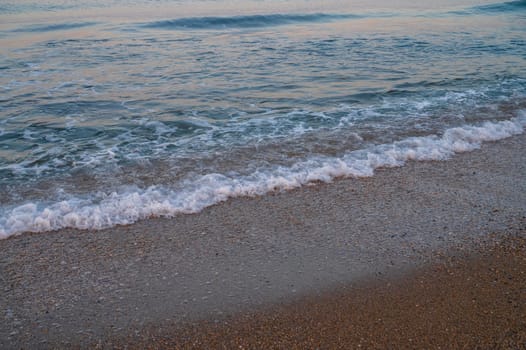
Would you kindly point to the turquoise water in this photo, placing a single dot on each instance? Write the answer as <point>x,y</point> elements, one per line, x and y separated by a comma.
<point>111,112</point>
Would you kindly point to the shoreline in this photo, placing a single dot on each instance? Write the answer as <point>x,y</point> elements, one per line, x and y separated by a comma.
<point>473,299</point>
<point>76,288</point>
<point>128,207</point>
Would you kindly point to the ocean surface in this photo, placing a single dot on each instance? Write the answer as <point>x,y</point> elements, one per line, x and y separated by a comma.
<point>116,111</point>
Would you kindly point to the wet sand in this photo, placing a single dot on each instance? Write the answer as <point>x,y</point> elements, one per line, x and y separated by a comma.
<point>465,301</point>
<point>311,252</point>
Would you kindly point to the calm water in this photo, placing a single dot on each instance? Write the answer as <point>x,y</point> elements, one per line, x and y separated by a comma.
<point>114,111</point>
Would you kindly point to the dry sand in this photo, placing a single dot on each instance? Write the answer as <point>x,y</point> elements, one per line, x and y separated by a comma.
<point>126,285</point>
<point>462,302</point>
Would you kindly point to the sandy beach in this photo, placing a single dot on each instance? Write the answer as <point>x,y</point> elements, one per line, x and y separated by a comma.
<point>428,255</point>
<point>470,301</point>
<point>300,174</point>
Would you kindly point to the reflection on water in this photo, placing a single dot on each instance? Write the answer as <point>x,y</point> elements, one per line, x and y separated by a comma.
<point>160,93</point>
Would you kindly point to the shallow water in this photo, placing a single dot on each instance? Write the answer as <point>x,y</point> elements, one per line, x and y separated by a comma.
<point>112,112</point>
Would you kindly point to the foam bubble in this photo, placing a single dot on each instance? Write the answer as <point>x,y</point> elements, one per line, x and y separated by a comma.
<point>118,208</point>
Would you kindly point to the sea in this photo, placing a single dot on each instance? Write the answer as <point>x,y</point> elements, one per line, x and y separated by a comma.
<point>114,111</point>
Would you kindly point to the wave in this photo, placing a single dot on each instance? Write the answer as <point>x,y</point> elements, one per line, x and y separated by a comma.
<point>253,21</point>
<point>52,27</point>
<point>102,210</point>
<point>509,6</point>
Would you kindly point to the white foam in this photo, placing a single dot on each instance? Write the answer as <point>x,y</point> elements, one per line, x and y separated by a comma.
<point>106,210</point>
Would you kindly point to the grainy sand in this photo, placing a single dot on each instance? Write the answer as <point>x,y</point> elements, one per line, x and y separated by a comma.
<point>462,302</point>
<point>317,250</point>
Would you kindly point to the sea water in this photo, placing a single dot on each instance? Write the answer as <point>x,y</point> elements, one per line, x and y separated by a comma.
<point>117,111</point>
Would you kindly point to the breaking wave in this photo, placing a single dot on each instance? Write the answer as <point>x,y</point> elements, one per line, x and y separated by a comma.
<point>103,210</point>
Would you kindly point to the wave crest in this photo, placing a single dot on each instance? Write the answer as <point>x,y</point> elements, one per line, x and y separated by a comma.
<point>254,21</point>
<point>519,5</point>
<point>106,210</point>
<point>38,28</point>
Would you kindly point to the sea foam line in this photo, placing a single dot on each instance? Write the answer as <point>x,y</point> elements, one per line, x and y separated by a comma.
<point>107,210</point>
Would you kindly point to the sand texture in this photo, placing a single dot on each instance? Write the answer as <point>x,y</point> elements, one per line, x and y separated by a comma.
<point>462,302</point>
<point>79,288</point>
